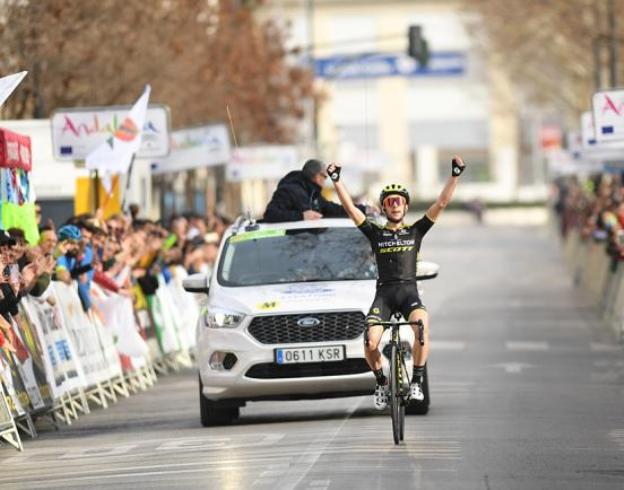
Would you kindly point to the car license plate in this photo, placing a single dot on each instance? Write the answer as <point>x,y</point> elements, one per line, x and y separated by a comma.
<point>296,355</point>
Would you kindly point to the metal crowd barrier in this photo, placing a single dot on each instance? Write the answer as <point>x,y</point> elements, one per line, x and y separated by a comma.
<point>67,362</point>
<point>599,276</point>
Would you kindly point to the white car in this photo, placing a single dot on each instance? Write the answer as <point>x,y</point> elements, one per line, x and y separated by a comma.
<point>285,316</point>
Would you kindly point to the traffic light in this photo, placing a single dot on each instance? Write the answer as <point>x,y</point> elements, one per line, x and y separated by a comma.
<point>417,47</point>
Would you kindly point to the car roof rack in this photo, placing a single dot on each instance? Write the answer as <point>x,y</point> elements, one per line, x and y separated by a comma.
<point>244,223</point>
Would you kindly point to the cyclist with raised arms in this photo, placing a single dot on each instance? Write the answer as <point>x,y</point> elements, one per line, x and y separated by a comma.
<point>396,247</point>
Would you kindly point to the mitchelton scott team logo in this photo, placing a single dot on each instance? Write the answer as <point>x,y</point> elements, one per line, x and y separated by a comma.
<point>308,321</point>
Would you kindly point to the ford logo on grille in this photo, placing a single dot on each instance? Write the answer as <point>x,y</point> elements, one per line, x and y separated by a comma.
<point>308,321</point>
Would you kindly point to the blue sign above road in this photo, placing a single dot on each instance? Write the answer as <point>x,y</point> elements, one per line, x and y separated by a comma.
<point>376,65</point>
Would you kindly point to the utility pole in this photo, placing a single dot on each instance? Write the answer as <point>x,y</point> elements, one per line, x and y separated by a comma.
<point>310,55</point>
<point>597,48</point>
<point>613,44</point>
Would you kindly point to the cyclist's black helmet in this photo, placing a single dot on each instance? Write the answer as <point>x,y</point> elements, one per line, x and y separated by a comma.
<point>391,189</point>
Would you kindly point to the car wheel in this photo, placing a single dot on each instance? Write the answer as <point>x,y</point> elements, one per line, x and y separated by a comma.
<point>215,413</point>
<point>420,407</point>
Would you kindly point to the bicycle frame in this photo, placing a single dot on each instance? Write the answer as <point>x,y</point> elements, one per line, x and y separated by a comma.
<point>399,395</point>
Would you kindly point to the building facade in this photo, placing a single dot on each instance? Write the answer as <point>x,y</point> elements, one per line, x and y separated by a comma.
<point>387,119</point>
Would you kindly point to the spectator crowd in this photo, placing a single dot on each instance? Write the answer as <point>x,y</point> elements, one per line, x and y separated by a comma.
<point>123,254</point>
<point>595,207</point>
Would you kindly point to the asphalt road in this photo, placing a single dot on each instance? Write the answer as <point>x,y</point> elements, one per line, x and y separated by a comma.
<point>527,393</point>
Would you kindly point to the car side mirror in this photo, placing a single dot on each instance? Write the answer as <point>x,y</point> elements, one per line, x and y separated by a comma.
<point>196,283</point>
<point>426,270</point>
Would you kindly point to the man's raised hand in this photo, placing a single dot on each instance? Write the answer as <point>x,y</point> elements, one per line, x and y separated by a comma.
<point>310,214</point>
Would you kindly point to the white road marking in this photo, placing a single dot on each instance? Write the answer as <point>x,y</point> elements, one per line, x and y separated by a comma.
<point>164,444</point>
<point>99,453</point>
<point>311,455</point>
<point>216,443</point>
<point>618,437</point>
<point>319,484</point>
<point>599,347</point>
<point>513,367</point>
<point>524,346</point>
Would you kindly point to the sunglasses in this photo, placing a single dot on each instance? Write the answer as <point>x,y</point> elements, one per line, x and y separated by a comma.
<point>392,201</point>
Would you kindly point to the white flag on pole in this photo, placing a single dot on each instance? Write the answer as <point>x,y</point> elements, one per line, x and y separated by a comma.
<point>9,83</point>
<point>115,154</point>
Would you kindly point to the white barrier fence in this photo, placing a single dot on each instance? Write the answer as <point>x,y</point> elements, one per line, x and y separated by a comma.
<point>61,358</point>
<point>599,275</point>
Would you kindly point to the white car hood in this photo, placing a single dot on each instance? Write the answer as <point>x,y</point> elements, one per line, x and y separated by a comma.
<point>296,297</point>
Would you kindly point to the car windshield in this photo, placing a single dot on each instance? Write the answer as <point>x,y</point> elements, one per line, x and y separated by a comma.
<point>301,255</point>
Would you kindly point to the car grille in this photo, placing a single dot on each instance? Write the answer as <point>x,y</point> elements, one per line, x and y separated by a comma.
<point>271,370</point>
<point>283,329</point>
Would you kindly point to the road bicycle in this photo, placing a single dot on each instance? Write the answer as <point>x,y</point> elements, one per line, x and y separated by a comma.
<point>399,379</point>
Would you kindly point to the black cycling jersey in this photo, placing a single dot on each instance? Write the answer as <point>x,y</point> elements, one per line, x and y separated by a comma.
<point>396,251</point>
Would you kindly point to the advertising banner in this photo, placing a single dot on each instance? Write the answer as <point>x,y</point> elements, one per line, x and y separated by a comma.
<point>186,304</point>
<point>119,319</point>
<point>107,345</point>
<point>83,334</point>
<point>191,148</point>
<point>17,396</point>
<point>29,363</point>
<point>6,419</point>
<point>15,150</point>
<point>76,132</point>
<point>608,109</point>
<point>167,319</point>
<point>261,162</point>
<point>62,367</point>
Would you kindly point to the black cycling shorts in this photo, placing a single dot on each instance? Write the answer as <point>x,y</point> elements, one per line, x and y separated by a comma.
<point>391,297</point>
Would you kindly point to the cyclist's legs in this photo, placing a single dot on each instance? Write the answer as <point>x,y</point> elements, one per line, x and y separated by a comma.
<point>379,312</point>
<point>371,349</point>
<point>413,309</point>
<point>420,352</point>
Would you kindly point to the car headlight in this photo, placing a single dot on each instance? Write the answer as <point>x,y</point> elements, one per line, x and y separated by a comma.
<point>216,318</point>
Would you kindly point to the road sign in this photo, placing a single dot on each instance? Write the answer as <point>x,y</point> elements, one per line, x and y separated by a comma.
<point>75,132</point>
<point>608,108</point>
<point>592,148</point>
<point>377,65</point>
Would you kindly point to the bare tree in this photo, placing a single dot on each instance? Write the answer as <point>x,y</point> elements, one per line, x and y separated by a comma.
<point>546,47</point>
<point>198,55</point>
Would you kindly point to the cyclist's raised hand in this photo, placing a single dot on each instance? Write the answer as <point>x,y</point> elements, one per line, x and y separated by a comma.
<point>457,166</point>
<point>333,171</point>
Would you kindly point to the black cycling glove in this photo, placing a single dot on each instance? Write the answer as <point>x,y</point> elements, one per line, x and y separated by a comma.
<point>457,169</point>
<point>335,175</point>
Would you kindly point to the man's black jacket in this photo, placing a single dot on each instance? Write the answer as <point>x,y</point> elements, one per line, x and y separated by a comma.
<point>295,194</point>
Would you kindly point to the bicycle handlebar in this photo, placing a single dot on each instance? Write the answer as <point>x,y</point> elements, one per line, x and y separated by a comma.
<point>390,324</point>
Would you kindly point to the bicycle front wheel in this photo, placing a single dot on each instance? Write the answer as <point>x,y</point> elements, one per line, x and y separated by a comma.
<point>398,415</point>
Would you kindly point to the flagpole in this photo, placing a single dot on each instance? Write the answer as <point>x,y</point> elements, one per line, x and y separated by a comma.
<point>125,194</point>
<point>96,180</point>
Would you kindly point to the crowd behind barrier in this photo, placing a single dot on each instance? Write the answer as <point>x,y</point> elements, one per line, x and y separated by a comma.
<point>94,311</point>
<point>590,220</point>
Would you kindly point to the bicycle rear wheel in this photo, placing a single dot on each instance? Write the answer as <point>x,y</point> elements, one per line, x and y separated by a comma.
<point>397,410</point>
